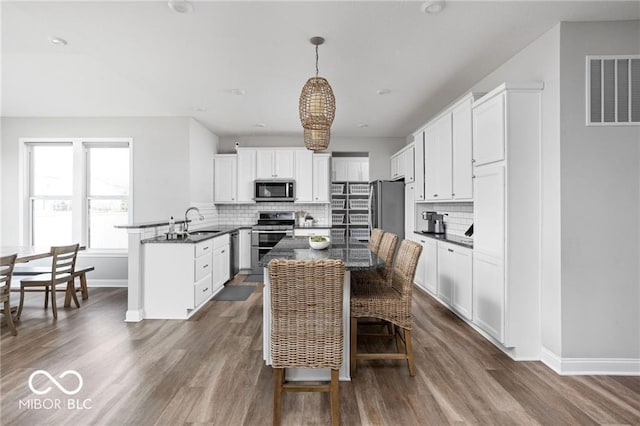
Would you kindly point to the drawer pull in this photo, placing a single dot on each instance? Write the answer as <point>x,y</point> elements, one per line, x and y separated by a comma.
<point>222,251</point>
<point>450,250</point>
<point>204,290</point>
<point>205,248</point>
<point>422,241</point>
<point>205,266</point>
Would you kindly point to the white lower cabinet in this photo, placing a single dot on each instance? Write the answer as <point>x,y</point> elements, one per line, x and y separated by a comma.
<point>245,249</point>
<point>221,260</point>
<point>420,269</point>
<point>489,303</point>
<point>455,278</point>
<point>181,277</point>
<point>431,265</point>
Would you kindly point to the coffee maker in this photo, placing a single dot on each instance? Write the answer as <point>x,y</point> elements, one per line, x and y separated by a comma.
<point>435,222</point>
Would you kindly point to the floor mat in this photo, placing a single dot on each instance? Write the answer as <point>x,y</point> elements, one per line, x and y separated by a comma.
<point>254,279</point>
<point>235,293</point>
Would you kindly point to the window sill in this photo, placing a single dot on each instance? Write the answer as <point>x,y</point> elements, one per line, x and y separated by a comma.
<point>103,253</point>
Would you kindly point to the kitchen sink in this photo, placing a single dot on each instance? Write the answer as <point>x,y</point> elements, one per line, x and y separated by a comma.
<point>204,232</point>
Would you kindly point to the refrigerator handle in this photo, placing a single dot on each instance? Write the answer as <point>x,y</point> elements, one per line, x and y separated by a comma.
<point>370,209</point>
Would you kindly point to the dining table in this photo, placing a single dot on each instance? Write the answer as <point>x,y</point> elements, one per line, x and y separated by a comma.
<point>25,253</point>
<point>356,257</point>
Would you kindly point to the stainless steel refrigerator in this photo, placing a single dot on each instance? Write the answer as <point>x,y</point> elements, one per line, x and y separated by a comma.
<point>386,211</point>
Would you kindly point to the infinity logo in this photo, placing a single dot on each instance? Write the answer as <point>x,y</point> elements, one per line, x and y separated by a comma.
<point>55,382</point>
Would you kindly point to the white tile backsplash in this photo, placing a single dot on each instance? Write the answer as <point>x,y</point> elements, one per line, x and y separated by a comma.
<point>247,214</point>
<point>459,216</point>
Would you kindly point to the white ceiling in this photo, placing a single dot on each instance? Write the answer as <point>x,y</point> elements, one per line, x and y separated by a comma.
<point>143,59</point>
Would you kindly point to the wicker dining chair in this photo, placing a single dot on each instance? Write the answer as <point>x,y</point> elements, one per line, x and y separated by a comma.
<point>6,269</point>
<point>62,272</point>
<point>386,252</point>
<point>388,303</point>
<point>306,324</point>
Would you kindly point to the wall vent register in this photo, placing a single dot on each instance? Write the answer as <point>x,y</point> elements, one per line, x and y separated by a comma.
<point>613,90</point>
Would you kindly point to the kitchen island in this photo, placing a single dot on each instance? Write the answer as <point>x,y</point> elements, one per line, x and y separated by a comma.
<point>356,257</point>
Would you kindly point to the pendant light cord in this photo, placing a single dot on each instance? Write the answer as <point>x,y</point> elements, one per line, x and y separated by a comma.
<point>316,60</point>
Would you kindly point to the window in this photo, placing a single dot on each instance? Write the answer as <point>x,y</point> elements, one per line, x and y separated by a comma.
<point>77,191</point>
<point>107,195</point>
<point>51,191</point>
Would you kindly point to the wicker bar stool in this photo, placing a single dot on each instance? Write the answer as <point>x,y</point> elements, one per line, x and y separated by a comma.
<point>375,239</point>
<point>306,324</point>
<point>386,252</point>
<point>6,269</point>
<point>388,303</point>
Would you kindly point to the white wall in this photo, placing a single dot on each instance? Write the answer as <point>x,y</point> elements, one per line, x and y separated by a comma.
<point>540,61</point>
<point>203,145</point>
<point>379,149</point>
<point>171,167</point>
<point>600,206</point>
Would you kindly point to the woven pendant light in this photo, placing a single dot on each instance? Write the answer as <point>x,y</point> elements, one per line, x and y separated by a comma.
<point>317,108</point>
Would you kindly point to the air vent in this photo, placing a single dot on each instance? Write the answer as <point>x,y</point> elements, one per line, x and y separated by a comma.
<point>613,90</point>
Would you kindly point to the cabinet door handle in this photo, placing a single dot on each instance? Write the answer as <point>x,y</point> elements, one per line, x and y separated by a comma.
<point>450,250</point>
<point>206,248</point>
<point>473,161</point>
<point>435,195</point>
<point>204,290</point>
<point>205,266</point>
<point>422,241</point>
<point>222,251</point>
<point>473,177</point>
<point>453,194</point>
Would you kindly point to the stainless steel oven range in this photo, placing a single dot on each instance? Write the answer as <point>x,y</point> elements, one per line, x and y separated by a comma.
<point>271,228</point>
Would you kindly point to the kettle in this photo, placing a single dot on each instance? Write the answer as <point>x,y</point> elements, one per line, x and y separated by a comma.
<point>439,226</point>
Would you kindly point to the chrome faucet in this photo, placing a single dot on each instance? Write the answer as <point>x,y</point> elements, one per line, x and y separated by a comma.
<point>186,220</point>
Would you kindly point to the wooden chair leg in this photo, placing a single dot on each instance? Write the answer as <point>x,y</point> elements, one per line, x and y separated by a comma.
<point>409,349</point>
<point>67,294</point>
<point>21,303</point>
<point>72,291</point>
<point>9,318</point>
<point>354,345</point>
<point>396,332</point>
<point>335,398</point>
<point>54,308</point>
<point>46,297</point>
<point>83,286</point>
<point>278,375</point>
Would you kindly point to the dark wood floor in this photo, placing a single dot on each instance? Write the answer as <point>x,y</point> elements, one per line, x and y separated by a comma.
<point>209,370</point>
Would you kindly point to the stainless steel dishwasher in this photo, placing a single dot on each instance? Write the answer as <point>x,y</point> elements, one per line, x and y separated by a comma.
<point>234,258</point>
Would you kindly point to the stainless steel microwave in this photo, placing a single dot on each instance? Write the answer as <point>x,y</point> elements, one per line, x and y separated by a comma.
<point>274,190</point>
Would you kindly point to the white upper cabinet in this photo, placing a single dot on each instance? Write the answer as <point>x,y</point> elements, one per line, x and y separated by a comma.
<point>488,131</point>
<point>418,151</point>
<point>304,176</point>
<point>321,182</point>
<point>246,175</point>
<point>462,151</point>
<point>275,164</point>
<point>402,164</point>
<point>224,178</point>
<point>438,159</point>
<point>350,169</point>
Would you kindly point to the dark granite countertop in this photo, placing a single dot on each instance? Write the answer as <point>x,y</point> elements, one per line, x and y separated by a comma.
<point>208,233</point>
<point>448,238</point>
<point>355,254</point>
<point>149,224</point>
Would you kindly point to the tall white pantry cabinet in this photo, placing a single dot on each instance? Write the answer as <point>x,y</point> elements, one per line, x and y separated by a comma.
<point>506,252</point>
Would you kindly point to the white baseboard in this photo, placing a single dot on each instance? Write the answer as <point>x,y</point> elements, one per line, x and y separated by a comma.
<point>590,366</point>
<point>106,283</point>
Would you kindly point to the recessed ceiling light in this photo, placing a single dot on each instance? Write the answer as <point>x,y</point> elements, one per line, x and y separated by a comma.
<point>383,91</point>
<point>237,92</point>
<point>260,125</point>
<point>433,6</point>
<point>363,125</point>
<point>180,6</point>
<point>57,41</point>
